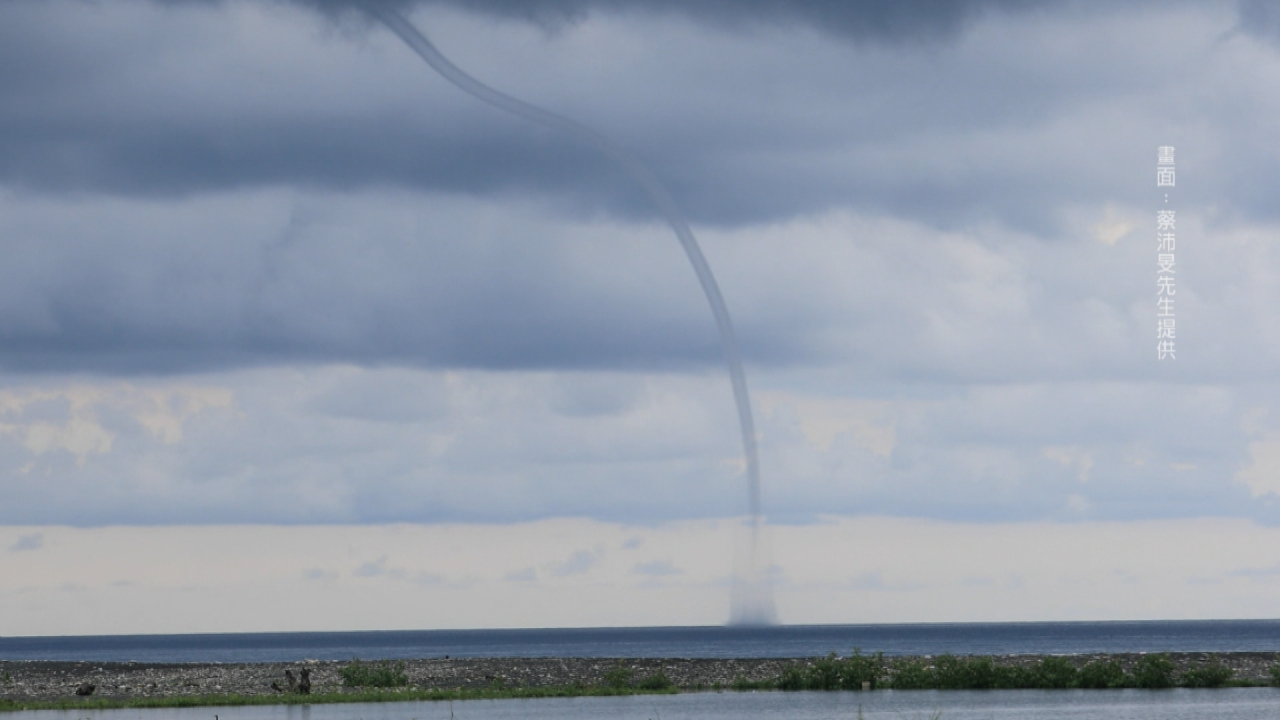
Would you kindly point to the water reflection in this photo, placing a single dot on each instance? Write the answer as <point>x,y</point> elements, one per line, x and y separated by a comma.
<point>1178,704</point>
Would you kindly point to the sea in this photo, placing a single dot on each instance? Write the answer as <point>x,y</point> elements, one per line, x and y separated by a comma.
<point>782,641</point>
<point>708,642</point>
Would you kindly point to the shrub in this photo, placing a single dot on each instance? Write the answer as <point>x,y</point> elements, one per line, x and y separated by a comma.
<point>619,677</point>
<point>1102,674</point>
<point>1275,674</point>
<point>1013,676</point>
<point>834,673</point>
<point>1215,674</point>
<point>824,674</point>
<point>912,675</point>
<point>974,673</point>
<point>859,668</point>
<point>1153,671</point>
<point>1054,672</point>
<point>385,674</point>
<point>792,679</point>
<point>961,673</point>
<point>656,681</point>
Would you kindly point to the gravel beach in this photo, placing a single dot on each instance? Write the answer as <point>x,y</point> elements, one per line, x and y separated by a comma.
<point>48,680</point>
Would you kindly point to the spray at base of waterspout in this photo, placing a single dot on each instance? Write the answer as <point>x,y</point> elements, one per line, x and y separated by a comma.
<point>751,597</point>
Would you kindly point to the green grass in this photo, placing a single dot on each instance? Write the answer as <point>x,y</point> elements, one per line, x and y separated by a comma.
<point>742,684</point>
<point>623,678</point>
<point>378,675</point>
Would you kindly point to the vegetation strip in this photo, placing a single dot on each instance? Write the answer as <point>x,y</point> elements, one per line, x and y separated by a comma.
<point>35,685</point>
<point>978,672</point>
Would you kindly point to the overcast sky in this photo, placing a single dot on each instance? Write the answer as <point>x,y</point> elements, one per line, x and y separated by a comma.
<point>261,266</point>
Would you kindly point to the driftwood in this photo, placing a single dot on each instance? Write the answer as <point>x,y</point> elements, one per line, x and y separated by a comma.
<point>298,686</point>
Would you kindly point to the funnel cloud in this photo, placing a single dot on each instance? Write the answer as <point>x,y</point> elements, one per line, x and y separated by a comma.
<point>751,601</point>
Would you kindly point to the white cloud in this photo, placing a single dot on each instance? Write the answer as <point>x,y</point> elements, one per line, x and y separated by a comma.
<point>34,541</point>
<point>1114,225</point>
<point>376,568</point>
<point>343,444</point>
<point>258,578</point>
<point>523,575</point>
<point>579,563</point>
<point>1076,457</point>
<point>78,432</point>
<point>1262,474</point>
<point>656,568</point>
<point>823,419</point>
<point>161,410</point>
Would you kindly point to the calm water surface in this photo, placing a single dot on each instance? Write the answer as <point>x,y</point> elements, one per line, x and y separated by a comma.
<point>1181,704</point>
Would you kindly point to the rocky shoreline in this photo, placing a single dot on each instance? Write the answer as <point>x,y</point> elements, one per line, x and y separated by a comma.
<point>54,680</point>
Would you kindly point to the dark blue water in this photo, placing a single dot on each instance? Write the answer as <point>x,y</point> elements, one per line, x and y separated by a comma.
<point>689,642</point>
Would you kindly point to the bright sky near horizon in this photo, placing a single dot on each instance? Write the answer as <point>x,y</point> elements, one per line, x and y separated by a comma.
<point>286,319</point>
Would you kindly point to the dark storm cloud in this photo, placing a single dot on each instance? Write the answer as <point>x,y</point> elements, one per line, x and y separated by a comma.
<point>78,117</point>
<point>138,287</point>
<point>881,131</point>
<point>1009,115</point>
<point>176,160</point>
<point>1260,17</point>
<point>865,19</point>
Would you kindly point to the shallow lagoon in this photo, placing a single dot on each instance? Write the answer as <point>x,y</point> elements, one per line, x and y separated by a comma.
<point>1177,704</point>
